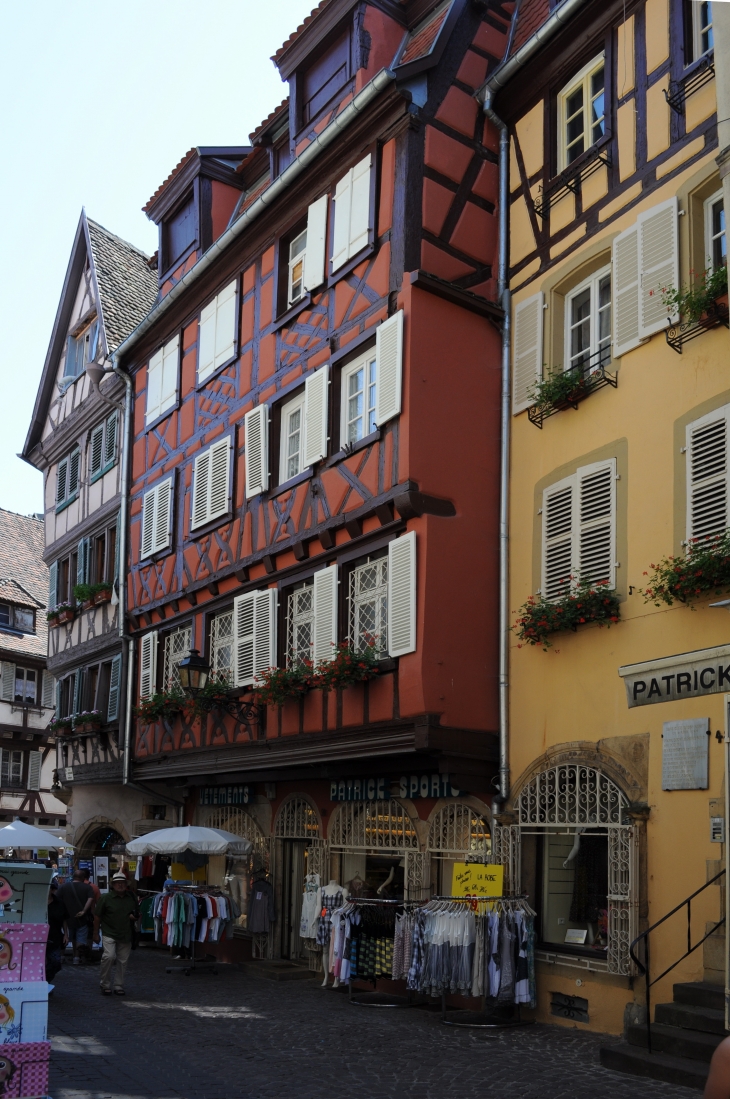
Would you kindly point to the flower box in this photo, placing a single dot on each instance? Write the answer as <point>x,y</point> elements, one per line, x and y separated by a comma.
<point>60,727</point>
<point>65,616</point>
<point>87,727</point>
<point>102,596</point>
<point>87,604</point>
<point>539,618</point>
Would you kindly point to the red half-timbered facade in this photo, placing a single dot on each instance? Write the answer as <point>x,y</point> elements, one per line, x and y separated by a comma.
<point>315,454</point>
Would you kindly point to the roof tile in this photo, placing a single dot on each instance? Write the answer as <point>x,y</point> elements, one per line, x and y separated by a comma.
<point>24,574</point>
<point>127,286</point>
<point>302,26</point>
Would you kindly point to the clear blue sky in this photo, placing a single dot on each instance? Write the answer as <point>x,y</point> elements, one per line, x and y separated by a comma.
<point>100,101</point>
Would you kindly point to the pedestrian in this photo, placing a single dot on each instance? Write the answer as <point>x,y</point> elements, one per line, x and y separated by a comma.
<point>93,885</point>
<point>114,918</point>
<point>57,933</point>
<point>77,897</point>
<point>718,1082</point>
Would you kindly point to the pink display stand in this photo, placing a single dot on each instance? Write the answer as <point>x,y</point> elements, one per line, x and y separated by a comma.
<point>24,1070</point>
<point>22,952</point>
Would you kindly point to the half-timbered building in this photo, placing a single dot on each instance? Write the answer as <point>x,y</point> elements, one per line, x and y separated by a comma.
<point>74,438</point>
<point>316,452</point>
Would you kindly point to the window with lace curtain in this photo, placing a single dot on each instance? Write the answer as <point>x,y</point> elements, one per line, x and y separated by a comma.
<point>300,624</point>
<point>221,646</point>
<point>177,646</point>
<point>369,604</point>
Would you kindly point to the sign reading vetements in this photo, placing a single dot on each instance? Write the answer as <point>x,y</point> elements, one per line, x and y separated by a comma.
<point>225,795</point>
<point>687,675</point>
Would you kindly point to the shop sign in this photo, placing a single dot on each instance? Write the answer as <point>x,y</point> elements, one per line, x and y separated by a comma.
<point>687,675</point>
<point>377,789</point>
<point>474,879</point>
<point>225,795</point>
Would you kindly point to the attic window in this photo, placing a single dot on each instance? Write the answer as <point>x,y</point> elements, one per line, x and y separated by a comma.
<point>325,78</point>
<point>178,233</point>
<point>80,349</point>
<point>17,618</point>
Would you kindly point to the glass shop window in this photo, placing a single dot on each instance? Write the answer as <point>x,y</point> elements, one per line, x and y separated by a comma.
<point>574,897</point>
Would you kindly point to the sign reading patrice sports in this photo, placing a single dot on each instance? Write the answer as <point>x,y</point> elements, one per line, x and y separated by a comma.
<point>378,789</point>
<point>687,675</point>
<point>225,795</point>
<point>474,879</point>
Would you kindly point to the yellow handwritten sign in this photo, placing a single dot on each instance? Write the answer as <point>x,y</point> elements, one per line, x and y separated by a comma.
<point>472,879</point>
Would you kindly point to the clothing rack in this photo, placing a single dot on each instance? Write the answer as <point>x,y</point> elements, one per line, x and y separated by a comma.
<point>194,963</point>
<point>375,998</point>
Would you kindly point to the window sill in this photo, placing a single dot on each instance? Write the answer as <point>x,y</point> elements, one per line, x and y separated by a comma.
<point>348,451</point>
<point>211,525</point>
<point>292,312</point>
<point>351,264</point>
<point>163,416</point>
<point>287,486</point>
<point>66,503</point>
<point>105,469</point>
<point>157,556</point>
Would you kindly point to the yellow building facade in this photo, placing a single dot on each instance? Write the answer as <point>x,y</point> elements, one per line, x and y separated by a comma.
<point>616,771</point>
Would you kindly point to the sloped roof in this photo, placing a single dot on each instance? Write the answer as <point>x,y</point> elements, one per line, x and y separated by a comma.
<point>275,114</point>
<point>530,16</point>
<point>302,26</point>
<point>127,286</point>
<point>24,574</point>
<point>421,39</point>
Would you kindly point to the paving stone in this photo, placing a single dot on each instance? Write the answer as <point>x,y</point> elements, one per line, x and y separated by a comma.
<point>233,1035</point>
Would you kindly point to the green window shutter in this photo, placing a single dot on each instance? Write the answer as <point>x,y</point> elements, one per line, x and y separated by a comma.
<point>116,546</point>
<point>61,481</point>
<point>112,712</point>
<point>78,689</point>
<point>7,686</point>
<point>74,463</point>
<point>35,761</point>
<point>53,586</point>
<point>96,450</point>
<point>110,441</point>
<point>49,691</point>
<point>82,562</point>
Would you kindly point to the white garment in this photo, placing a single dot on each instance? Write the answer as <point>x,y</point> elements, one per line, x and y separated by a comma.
<point>311,906</point>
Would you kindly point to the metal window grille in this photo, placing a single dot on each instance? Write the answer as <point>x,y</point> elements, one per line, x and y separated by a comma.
<point>300,624</point>
<point>241,823</point>
<point>372,825</point>
<point>571,794</point>
<point>177,645</point>
<point>459,830</point>
<point>297,820</point>
<point>221,646</point>
<point>369,605</point>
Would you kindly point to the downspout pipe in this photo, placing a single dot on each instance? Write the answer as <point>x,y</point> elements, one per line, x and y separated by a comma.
<point>127,642</point>
<point>505,424</point>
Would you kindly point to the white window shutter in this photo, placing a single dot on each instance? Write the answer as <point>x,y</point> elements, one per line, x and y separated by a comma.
<point>527,369</point>
<point>558,537</point>
<point>254,634</point>
<point>206,341</point>
<point>265,631</point>
<point>658,264</point>
<point>314,256</point>
<point>325,613</point>
<point>148,664</point>
<point>256,432</point>
<point>389,368</point>
<point>625,291</point>
<point>220,463</point>
<point>360,206</point>
<point>225,325</point>
<point>154,387</point>
<point>596,526</point>
<point>110,440</point>
<point>35,762</point>
<point>201,488</point>
<point>402,595</point>
<point>53,586</point>
<point>708,482</point>
<point>48,697</point>
<point>147,543</point>
<point>316,394</point>
<point>96,450</point>
<point>8,681</point>
<point>163,516</point>
<point>115,678</point>
<point>341,231</point>
<point>170,356</point>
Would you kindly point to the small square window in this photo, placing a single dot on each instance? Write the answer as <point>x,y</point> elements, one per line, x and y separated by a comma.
<point>23,619</point>
<point>25,685</point>
<point>358,397</point>
<point>5,615</point>
<point>369,604</point>
<point>292,438</point>
<point>581,113</point>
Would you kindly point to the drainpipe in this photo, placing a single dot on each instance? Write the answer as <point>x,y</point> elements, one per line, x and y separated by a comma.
<point>504,298</point>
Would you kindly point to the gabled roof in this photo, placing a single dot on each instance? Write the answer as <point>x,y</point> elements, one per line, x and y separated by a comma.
<point>126,289</point>
<point>24,579</point>
<point>13,592</point>
<point>216,161</point>
<point>269,122</point>
<point>297,33</point>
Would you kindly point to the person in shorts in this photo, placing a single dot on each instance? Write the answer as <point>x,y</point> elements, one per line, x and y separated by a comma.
<point>77,897</point>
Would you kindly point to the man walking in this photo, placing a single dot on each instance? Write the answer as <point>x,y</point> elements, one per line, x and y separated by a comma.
<point>77,897</point>
<point>114,917</point>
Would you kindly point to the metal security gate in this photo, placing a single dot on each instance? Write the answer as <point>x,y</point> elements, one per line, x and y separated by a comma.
<point>377,828</point>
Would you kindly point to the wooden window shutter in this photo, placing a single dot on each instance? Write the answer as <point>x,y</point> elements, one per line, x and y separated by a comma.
<point>8,681</point>
<point>148,664</point>
<point>154,387</point>
<point>96,450</point>
<point>389,368</point>
<point>557,538</point>
<point>265,631</point>
<point>206,341</point>
<point>341,231</point>
<point>360,206</point>
<point>61,481</point>
<point>314,257</point>
<point>596,523</point>
<point>708,482</point>
<point>220,463</point>
<point>625,291</point>
<point>82,562</point>
<point>74,463</point>
<point>527,368</point>
<point>256,432</point>
<point>325,613</point>
<point>168,391</point>
<point>53,586</point>
<point>254,634</point>
<point>148,523</point>
<point>316,394</point>
<point>162,516</point>
<point>658,264</point>
<point>225,325</point>
<point>48,697</point>
<point>35,762</point>
<point>110,440</point>
<point>402,595</point>
<point>201,488</point>
<point>115,678</point>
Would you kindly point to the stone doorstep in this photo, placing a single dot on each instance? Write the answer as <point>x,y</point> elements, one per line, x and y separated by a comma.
<point>277,970</point>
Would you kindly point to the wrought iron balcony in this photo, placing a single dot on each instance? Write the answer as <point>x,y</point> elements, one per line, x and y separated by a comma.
<point>589,376</point>
<point>681,90</point>
<point>569,181</point>
<point>679,334</point>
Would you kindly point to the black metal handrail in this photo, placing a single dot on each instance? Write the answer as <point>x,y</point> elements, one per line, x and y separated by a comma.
<point>644,969</point>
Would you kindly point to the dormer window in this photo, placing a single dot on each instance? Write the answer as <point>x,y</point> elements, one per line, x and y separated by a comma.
<point>80,349</point>
<point>21,619</point>
<point>178,233</point>
<point>325,78</point>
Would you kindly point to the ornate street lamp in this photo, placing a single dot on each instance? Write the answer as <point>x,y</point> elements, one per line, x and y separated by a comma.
<point>194,672</point>
<point>194,676</point>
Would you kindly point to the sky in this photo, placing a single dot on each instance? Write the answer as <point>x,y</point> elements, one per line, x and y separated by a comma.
<point>100,101</point>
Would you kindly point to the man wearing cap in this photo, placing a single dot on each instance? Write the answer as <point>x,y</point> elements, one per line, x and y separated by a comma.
<point>114,917</point>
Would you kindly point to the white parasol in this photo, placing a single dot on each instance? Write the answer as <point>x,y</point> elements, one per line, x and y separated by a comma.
<point>28,837</point>
<point>201,841</point>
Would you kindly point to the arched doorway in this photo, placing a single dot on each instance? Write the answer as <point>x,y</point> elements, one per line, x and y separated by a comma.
<point>232,872</point>
<point>103,840</point>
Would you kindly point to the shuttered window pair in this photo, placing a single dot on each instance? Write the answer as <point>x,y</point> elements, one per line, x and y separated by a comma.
<point>708,475</point>
<point>211,483</point>
<point>67,482</point>
<point>352,213</point>
<point>645,260</point>
<point>103,447</point>
<point>162,374</point>
<point>217,333</point>
<point>156,519</point>
<point>579,530</point>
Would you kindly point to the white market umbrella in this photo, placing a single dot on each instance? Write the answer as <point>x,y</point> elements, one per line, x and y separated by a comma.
<point>27,836</point>
<point>201,841</point>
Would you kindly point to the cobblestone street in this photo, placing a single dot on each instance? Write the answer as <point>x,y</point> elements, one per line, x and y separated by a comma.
<point>231,1035</point>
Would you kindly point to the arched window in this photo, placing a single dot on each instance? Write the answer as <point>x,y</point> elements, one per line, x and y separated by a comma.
<point>240,823</point>
<point>457,829</point>
<point>372,825</point>
<point>296,820</point>
<point>572,793</point>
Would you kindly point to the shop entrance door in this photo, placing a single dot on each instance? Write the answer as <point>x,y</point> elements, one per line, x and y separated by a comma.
<point>294,869</point>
